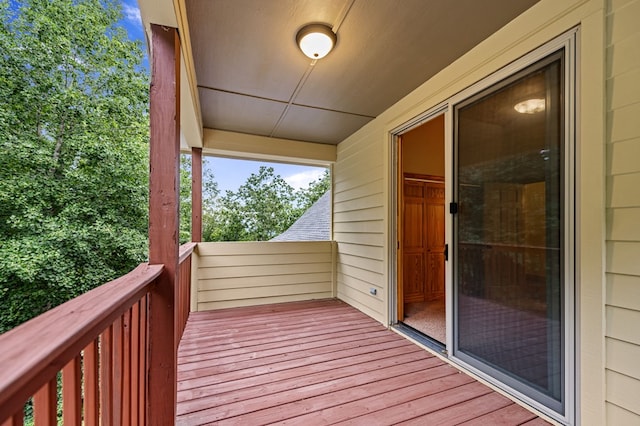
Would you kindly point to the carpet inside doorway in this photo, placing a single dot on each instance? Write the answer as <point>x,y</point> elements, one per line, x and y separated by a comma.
<point>427,317</point>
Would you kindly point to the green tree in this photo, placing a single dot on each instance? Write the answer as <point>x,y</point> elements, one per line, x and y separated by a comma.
<point>306,197</point>
<point>73,152</point>
<point>263,207</point>
<point>210,194</point>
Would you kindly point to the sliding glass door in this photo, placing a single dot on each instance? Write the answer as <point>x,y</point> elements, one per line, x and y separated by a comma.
<point>509,231</point>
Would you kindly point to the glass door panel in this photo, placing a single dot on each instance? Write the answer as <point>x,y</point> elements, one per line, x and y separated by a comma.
<point>509,231</point>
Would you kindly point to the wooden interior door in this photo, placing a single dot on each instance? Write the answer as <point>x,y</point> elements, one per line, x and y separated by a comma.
<point>414,248</point>
<point>423,240</point>
<point>435,240</point>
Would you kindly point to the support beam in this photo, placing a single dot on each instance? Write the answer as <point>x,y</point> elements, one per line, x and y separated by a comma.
<point>164,191</point>
<point>196,195</point>
<point>254,147</point>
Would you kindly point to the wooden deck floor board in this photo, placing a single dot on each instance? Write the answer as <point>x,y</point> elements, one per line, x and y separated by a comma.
<point>331,407</point>
<point>395,407</point>
<point>321,362</point>
<point>301,328</point>
<point>464,411</point>
<point>253,360</point>
<point>299,401</point>
<point>274,321</point>
<point>511,414</point>
<point>282,336</point>
<point>269,350</point>
<point>208,375</point>
<point>390,366</point>
<point>240,379</point>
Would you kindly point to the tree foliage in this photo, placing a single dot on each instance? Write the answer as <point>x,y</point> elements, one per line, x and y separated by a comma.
<point>316,189</point>
<point>210,194</point>
<point>73,152</point>
<point>262,208</point>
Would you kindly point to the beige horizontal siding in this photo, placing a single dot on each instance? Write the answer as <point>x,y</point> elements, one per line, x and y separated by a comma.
<point>359,225</point>
<point>361,262</point>
<point>623,156</point>
<point>368,252</point>
<point>619,416</point>
<point>361,215</point>
<point>233,274</point>
<point>623,257</point>
<point>623,213</point>
<point>622,324</point>
<point>623,357</point>
<point>623,291</point>
<point>356,191</point>
<point>366,202</point>
<point>623,391</point>
<point>364,226</point>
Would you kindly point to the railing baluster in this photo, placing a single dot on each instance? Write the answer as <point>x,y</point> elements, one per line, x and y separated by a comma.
<point>183,298</point>
<point>106,376</point>
<point>135,363</point>
<point>72,392</point>
<point>45,404</point>
<point>117,359</point>
<point>142,366</point>
<point>125,390</point>
<point>91,385</point>
<point>16,420</point>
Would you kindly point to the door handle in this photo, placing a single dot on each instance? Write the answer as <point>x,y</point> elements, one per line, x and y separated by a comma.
<point>446,252</point>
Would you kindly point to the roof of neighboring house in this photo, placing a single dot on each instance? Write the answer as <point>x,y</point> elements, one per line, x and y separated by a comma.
<point>313,225</point>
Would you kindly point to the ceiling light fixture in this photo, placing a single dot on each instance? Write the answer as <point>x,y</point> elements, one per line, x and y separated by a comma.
<point>316,40</point>
<point>530,106</point>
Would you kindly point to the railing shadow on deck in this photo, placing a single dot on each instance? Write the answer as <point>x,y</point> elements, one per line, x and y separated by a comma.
<point>99,344</point>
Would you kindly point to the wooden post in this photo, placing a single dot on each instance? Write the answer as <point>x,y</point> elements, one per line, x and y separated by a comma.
<point>164,182</point>
<point>196,195</point>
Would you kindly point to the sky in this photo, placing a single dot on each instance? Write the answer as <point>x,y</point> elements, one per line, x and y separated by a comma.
<point>229,173</point>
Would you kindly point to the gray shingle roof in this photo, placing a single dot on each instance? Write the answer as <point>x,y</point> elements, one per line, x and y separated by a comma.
<point>313,225</point>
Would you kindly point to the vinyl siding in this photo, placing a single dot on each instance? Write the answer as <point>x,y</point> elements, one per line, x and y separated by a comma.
<point>623,212</point>
<point>359,227</point>
<point>254,273</point>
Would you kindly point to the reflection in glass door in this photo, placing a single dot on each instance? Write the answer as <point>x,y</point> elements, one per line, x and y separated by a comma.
<point>509,231</point>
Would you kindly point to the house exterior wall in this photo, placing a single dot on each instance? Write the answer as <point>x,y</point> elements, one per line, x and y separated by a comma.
<point>359,212</point>
<point>233,274</point>
<point>363,206</point>
<point>623,212</point>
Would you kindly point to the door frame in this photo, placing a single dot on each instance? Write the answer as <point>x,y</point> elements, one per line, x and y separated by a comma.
<point>395,224</point>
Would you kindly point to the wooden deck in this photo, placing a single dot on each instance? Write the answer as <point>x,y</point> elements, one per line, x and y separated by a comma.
<point>322,362</point>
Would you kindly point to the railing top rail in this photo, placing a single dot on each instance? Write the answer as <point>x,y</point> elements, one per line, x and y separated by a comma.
<point>186,250</point>
<point>33,352</point>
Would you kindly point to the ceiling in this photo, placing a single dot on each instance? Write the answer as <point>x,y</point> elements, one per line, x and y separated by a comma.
<point>252,78</point>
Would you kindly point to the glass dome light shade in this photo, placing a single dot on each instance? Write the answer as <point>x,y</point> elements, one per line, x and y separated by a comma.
<point>316,40</point>
<point>530,106</point>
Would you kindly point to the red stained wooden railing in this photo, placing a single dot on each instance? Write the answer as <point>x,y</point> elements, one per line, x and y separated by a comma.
<point>99,343</point>
<point>183,291</point>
